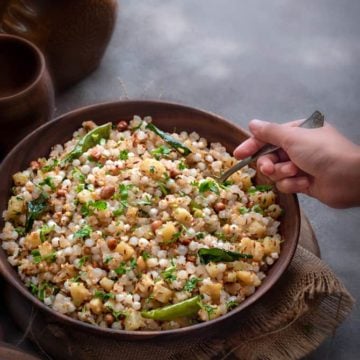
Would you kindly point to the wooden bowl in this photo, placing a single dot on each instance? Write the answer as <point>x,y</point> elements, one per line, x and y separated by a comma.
<point>68,338</point>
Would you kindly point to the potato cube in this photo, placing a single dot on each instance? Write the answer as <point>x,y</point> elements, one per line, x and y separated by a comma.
<point>251,247</point>
<point>79,293</point>
<point>162,293</point>
<point>45,249</point>
<point>20,178</point>
<point>271,245</point>
<point>256,228</point>
<point>96,306</point>
<point>213,290</point>
<point>16,207</point>
<point>32,240</point>
<point>153,168</point>
<point>167,232</point>
<point>84,196</point>
<point>230,277</point>
<point>125,250</point>
<point>182,215</point>
<point>144,285</point>
<point>131,214</point>
<point>106,283</point>
<point>133,320</point>
<point>248,278</point>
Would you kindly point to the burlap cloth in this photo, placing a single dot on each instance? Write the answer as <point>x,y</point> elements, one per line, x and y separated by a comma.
<point>292,319</point>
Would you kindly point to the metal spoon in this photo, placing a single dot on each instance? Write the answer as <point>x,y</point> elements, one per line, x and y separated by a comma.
<point>316,120</point>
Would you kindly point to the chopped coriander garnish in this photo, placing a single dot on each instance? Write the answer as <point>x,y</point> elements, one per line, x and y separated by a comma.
<point>104,296</point>
<point>165,191</point>
<point>168,274</point>
<point>117,314</point>
<point>84,232</point>
<point>44,231</point>
<point>120,211</point>
<point>190,284</point>
<point>123,193</point>
<point>20,230</point>
<point>209,185</point>
<point>256,208</point>
<point>150,298</point>
<point>133,264</point>
<point>199,235</point>
<point>121,269</point>
<point>37,257</point>
<point>89,208</point>
<point>124,155</point>
<point>83,260</point>
<point>182,165</point>
<point>220,235</point>
<point>261,188</point>
<point>152,169</point>
<point>231,304</point>
<point>161,151</point>
<point>176,236</point>
<point>226,184</point>
<point>41,290</point>
<point>243,210</point>
<point>208,308</point>
<point>145,201</point>
<point>78,175</point>
<point>49,182</point>
<point>145,255</point>
<point>50,166</point>
<point>108,259</point>
<point>80,188</point>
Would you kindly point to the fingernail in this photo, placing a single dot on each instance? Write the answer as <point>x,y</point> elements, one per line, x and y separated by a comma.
<point>257,123</point>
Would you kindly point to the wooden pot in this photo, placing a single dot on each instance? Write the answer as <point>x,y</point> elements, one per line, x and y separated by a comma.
<point>26,92</point>
<point>72,34</point>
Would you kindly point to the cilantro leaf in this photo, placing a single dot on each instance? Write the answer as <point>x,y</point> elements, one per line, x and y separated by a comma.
<point>209,185</point>
<point>124,155</point>
<point>161,151</point>
<point>84,232</point>
<point>190,284</point>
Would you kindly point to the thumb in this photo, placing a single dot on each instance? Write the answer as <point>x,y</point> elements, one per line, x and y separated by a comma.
<point>269,132</point>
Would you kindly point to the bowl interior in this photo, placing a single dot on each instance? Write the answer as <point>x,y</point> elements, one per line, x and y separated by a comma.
<point>168,117</point>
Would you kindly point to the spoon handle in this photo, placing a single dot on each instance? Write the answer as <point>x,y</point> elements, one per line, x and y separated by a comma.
<point>316,120</point>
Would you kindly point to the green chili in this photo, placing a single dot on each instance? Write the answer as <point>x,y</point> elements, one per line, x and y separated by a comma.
<point>186,308</point>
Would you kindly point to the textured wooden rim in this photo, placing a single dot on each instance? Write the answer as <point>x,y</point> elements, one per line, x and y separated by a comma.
<point>11,276</point>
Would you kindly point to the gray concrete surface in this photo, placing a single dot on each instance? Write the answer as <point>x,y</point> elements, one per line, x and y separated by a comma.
<point>275,60</point>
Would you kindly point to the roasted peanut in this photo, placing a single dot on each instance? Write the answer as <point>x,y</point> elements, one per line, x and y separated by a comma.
<point>107,192</point>
<point>122,125</point>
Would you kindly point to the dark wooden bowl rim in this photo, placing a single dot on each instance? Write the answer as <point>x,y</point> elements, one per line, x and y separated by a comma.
<point>15,281</point>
